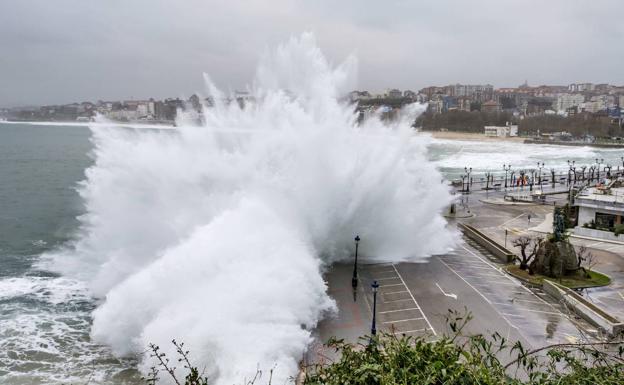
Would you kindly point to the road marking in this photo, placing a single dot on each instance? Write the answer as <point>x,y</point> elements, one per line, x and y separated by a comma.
<point>511,220</point>
<point>381,272</point>
<point>466,265</point>
<point>403,320</point>
<point>385,279</point>
<point>414,299</point>
<point>482,275</point>
<point>513,315</point>
<point>525,300</point>
<point>467,283</point>
<point>454,296</point>
<point>498,283</point>
<point>398,310</point>
<point>395,292</point>
<point>398,300</point>
<point>394,284</point>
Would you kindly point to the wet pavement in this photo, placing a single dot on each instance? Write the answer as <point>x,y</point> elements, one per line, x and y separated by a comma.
<point>493,220</point>
<point>415,299</point>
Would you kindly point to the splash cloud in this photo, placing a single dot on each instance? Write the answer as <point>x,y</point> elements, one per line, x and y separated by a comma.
<point>218,234</point>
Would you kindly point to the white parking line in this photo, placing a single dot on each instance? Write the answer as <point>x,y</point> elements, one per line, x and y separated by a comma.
<point>385,279</point>
<point>498,283</point>
<point>513,315</point>
<point>381,278</point>
<point>403,320</point>
<point>398,300</point>
<point>414,299</point>
<point>527,300</point>
<point>465,265</point>
<point>483,275</point>
<point>395,292</point>
<point>398,310</point>
<point>394,284</point>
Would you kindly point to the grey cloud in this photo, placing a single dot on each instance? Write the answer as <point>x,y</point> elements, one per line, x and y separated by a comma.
<point>69,50</point>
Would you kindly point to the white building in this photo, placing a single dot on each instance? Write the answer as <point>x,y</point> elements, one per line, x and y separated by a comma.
<point>501,131</point>
<point>567,101</point>
<point>594,105</point>
<point>600,210</point>
<point>580,87</point>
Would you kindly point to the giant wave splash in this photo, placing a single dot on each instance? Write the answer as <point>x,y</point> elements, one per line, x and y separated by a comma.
<point>217,234</point>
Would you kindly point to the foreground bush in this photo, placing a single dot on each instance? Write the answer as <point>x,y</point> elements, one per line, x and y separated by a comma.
<point>456,359</point>
<point>452,359</point>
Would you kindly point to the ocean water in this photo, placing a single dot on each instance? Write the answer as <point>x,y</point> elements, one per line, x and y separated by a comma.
<point>45,317</point>
<point>216,234</point>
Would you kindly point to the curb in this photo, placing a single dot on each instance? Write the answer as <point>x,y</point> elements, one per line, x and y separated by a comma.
<point>504,203</point>
<point>522,279</point>
<point>585,309</point>
<point>596,239</point>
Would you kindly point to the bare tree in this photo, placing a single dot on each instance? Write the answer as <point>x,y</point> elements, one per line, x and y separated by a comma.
<point>528,249</point>
<point>586,260</point>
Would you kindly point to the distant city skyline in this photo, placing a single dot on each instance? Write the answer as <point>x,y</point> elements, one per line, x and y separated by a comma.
<point>68,50</point>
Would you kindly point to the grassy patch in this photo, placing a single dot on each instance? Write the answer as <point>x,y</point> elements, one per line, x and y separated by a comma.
<point>573,281</point>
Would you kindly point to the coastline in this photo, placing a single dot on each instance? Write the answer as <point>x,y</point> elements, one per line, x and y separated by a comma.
<point>472,136</point>
<point>478,137</point>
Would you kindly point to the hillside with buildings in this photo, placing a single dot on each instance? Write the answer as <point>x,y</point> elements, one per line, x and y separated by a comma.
<point>579,110</point>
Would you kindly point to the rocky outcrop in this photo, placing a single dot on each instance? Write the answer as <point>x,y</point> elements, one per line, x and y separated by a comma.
<point>554,259</point>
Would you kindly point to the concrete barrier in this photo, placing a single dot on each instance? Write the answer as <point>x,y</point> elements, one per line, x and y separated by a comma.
<point>499,251</point>
<point>584,309</point>
<point>600,234</point>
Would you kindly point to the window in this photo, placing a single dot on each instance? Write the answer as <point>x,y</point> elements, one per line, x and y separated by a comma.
<point>605,220</point>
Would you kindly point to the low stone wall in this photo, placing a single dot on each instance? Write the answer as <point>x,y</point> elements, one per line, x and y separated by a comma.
<point>600,234</point>
<point>584,309</point>
<point>499,251</point>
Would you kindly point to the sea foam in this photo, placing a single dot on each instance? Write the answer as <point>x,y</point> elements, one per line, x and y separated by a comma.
<point>217,234</point>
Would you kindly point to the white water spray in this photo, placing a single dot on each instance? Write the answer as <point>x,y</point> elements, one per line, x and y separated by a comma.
<point>217,235</point>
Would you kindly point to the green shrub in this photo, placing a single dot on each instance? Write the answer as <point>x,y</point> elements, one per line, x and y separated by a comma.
<point>453,359</point>
<point>456,359</point>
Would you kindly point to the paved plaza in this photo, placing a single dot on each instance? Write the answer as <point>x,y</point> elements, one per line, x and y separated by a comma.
<point>414,299</point>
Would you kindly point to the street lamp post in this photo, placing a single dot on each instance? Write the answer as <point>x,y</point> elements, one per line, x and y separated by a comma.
<point>375,287</point>
<point>354,280</point>
<point>599,161</point>
<point>468,171</point>
<point>552,176</point>
<point>539,178</point>
<point>571,165</point>
<point>507,168</point>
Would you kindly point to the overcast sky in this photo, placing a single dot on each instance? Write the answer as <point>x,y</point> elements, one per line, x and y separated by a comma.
<point>57,51</point>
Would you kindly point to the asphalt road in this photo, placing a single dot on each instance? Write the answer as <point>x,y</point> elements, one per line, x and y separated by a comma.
<point>415,299</point>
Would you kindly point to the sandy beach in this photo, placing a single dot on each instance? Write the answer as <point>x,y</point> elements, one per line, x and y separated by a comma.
<point>454,135</point>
